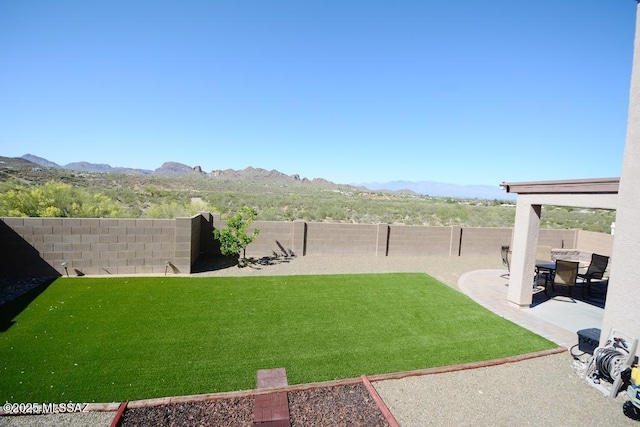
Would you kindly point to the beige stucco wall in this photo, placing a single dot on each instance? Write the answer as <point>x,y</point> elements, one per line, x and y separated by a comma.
<point>622,311</point>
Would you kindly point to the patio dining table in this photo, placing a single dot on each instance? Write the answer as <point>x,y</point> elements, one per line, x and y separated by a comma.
<point>548,268</point>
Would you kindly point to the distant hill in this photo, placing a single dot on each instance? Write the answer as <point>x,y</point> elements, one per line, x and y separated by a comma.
<point>439,189</point>
<point>103,168</point>
<point>171,169</point>
<point>85,166</point>
<point>40,161</point>
<point>176,169</point>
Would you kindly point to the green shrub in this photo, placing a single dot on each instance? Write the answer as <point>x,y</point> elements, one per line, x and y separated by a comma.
<point>235,237</point>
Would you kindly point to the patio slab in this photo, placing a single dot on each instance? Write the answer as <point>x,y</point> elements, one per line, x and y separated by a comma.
<point>557,319</point>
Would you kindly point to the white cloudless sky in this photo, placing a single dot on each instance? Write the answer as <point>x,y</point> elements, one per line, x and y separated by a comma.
<point>354,91</point>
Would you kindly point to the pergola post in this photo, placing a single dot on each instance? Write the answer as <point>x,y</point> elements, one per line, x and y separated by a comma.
<point>525,241</point>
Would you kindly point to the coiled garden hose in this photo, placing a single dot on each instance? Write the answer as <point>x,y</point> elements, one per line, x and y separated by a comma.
<point>608,363</point>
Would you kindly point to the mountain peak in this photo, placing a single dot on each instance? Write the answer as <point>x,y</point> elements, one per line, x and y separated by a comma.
<point>40,161</point>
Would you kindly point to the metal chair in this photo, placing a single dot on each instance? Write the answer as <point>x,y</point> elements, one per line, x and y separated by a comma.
<point>566,274</point>
<point>596,270</point>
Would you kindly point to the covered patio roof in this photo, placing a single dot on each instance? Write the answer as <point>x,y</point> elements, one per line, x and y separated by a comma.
<point>570,186</point>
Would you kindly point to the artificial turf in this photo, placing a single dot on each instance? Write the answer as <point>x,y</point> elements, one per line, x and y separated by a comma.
<point>126,338</point>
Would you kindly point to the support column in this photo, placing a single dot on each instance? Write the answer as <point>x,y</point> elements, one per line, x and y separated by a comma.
<point>523,256</point>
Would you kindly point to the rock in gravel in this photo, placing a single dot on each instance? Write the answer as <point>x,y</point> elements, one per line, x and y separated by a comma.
<point>349,405</point>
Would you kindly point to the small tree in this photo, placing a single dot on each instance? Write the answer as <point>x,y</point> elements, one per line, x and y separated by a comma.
<point>235,238</point>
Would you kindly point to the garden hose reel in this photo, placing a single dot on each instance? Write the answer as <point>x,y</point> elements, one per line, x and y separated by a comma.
<point>609,361</point>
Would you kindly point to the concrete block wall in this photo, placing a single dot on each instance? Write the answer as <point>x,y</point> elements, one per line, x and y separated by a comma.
<point>39,246</point>
<point>90,245</point>
<point>207,245</point>
<point>407,240</point>
<point>186,248</point>
<point>275,239</point>
<point>19,256</point>
<point>558,239</point>
<point>484,241</point>
<point>341,239</point>
<point>599,243</point>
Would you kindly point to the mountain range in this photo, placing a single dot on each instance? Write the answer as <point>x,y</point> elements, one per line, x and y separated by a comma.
<point>168,169</point>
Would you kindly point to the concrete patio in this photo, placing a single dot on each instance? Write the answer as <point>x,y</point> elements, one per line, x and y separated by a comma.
<point>557,317</point>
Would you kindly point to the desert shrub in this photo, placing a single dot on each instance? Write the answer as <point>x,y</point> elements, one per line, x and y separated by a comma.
<point>55,199</point>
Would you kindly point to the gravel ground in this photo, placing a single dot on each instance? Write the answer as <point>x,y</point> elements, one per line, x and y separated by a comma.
<point>545,391</point>
<point>444,268</point>
<point>82,419</point>
<point>538,392</point>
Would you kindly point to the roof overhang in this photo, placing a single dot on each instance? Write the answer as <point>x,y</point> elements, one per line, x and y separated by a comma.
<point>571,186</point>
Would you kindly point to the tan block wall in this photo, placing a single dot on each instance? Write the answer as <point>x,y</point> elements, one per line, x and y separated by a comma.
<point>599,243</point>
<point>39,246</point>
<point>405,240</point>
<point>19,256</point>
<point>92,245</point>
<point>341,239</point>
<point>484,241</point>
<point>275,239</point>
<point>558,239</point>
<point>186,248</point>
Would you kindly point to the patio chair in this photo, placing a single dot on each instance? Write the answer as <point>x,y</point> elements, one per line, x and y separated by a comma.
<point>596,270</point>
<point>506,257</point>
<point>566,274</point>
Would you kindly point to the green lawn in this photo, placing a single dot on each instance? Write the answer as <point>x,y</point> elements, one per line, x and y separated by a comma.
<point>116,339</point>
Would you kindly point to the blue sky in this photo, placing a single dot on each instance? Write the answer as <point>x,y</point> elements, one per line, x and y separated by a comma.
<point>351,91</point>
